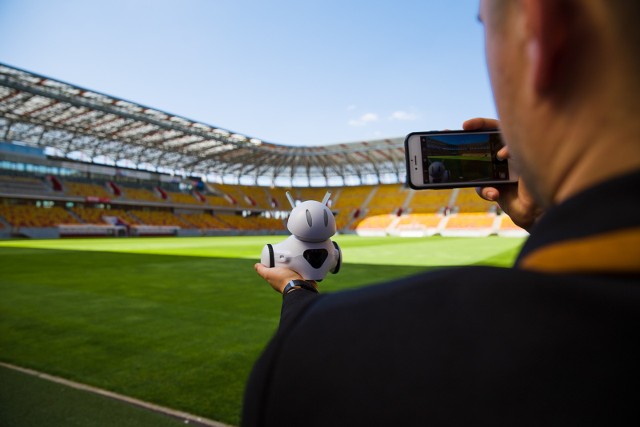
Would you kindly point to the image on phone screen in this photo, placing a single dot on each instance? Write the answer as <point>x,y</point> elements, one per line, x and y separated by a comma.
<point>453,158</point>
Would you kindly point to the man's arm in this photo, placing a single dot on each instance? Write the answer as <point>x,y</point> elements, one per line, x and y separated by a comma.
<point>296,299</point>
<point>293,304</point>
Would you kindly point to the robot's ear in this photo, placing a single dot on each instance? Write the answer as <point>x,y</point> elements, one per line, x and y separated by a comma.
<point>293,204</point>
<point>326,198</point>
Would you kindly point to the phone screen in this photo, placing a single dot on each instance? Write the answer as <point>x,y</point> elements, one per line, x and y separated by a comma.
<point>457,158</point>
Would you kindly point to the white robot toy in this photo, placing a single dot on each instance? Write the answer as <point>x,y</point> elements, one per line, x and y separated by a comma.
<point>309,251</point>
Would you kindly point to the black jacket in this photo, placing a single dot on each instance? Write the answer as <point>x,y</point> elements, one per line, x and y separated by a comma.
<point>553,341</point>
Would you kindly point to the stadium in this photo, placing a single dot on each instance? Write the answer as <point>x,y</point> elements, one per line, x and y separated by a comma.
<point>129,236</point>
<point>76,162</point>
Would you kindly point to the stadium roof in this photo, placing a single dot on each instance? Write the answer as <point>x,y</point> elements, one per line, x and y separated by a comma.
<point>82,124</point>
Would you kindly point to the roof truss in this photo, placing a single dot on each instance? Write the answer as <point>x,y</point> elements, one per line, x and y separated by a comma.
<point>44,112</point>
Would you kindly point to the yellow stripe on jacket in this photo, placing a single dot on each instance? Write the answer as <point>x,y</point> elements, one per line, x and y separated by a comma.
<point>612,252</point>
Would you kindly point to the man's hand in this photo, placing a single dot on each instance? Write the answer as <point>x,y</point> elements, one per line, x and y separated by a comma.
<point>278,277</point>
<point>515,200</point>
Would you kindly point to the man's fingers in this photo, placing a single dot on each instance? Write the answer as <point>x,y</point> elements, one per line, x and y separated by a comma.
<point>503,153</point>
<point>261,270</point>
<point>479,123</point>
<point>488,193</point>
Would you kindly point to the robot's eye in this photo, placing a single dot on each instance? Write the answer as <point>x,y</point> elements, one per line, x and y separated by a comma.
<point>326,219</point>
<point>309,221</point>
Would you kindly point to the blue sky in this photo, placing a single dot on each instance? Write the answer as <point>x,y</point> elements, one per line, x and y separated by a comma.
<point>295,72</point>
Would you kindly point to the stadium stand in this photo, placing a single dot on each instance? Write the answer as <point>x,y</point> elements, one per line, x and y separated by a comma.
<point>159,218</point>
<point>351,205</point>
<point>418,225</point>
<point>91,215</point>
<point>506,223</point>
<point>253,223</point>
<point>33,216</point>
<point>259,197</point>
<point>507,228</point>
<point>184,198</point>
<point>269,224</point>
<point>368,210</point>
<point>388,199</point>
<point>122,216</point>
<point>429,201</point>
<point>278,200</point>
<point>474,224</point>
<point>205,221</point>
<point>86,190</point>
<point>232,193</point>
<point>141,194</point>
<point>214,200</point>
<point>470,221</point>
<point>467,200</point>
<point>419,221</point>
<point>22,185</point>
<point>375,223</point>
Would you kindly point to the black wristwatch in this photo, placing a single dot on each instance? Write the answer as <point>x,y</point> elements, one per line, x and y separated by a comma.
<point>296,284</point>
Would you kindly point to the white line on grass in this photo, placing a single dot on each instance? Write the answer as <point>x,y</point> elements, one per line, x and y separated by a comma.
<point>184,416</point>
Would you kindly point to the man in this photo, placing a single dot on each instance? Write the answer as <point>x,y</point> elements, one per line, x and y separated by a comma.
<point>553,340</point>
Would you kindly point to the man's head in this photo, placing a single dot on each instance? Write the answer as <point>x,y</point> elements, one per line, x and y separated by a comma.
<point>564,79</point>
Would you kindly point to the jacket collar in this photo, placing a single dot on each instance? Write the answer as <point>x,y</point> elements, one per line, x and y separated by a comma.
<point>596,231</point>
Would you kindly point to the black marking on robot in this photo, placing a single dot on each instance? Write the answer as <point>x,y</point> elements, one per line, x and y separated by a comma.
<point>315,257</point>
<point>339,263</point>
<point>272,258</point>
<point>309,219</point>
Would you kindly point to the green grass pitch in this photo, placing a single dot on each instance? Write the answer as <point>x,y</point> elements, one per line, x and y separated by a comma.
<point>177,321</point>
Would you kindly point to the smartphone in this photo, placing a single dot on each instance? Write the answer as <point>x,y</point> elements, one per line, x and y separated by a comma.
<point>453,159</point>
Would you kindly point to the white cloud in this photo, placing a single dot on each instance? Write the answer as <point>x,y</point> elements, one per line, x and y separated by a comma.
<point>403,115</point>
<point>364,119</point>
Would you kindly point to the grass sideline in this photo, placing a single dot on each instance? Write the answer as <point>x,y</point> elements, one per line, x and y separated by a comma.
<point>177,322</point>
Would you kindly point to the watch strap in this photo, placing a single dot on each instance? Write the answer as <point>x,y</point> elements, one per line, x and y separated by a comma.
<point>298,284</point>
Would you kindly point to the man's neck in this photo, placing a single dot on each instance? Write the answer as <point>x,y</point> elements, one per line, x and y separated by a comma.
<point>611,148</point>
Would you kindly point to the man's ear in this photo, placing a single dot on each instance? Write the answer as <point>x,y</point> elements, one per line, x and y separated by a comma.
<point>546,31</point>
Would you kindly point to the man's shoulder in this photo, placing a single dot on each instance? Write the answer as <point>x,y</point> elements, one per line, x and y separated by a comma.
<point>489,294</point>
<point>443,283</point>
<point>438,283</point>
